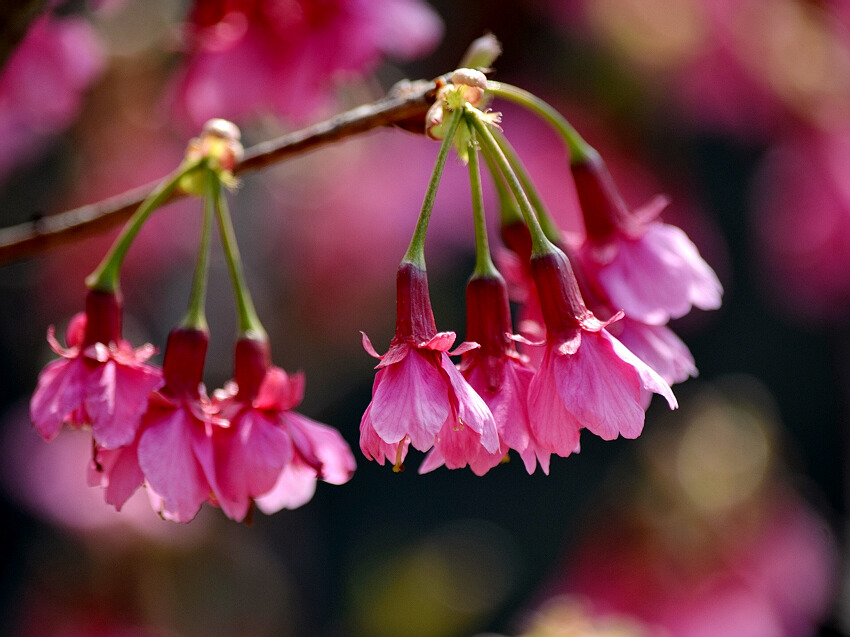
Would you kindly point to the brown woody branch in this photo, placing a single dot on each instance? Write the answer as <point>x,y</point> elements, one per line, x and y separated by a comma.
<point>403,106</point>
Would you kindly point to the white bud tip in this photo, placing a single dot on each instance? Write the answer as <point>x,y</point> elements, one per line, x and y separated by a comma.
<point>222,128</point>
<point>469,77</point>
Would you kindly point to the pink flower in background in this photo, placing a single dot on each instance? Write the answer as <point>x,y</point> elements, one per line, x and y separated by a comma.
<point>587,378</point>
<point>801,224</point>
<point>175,448</point>
<point>42,85</point>
<point>248,57</point>
<point>418,391</point>
<point>100,379</point>
<point>647,268</point>
<point>268,444</point>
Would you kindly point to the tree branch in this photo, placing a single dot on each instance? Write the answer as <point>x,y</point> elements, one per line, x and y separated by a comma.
<point>403,106</point>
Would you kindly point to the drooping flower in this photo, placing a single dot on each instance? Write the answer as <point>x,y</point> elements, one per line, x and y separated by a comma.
<point>99,381</point>
<point>248,57</point>
<point>419,396</point>
<point>270,454</point>
<point>587,378</point>
<point>497,372</point>
<point>175,447</point>
<point>649,269</point>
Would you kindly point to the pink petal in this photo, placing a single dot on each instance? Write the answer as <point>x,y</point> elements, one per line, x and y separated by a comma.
<point>650,380</point>
<point>116,399</point>
<point>295,486</point>
<point>338,462</point>
<point>433,460</point>
<point>472,411</point>
<point>459,445</point>
<point>280,391</point>
<point>600,389</point>
<point>374,448</point>
<point>167,458</point>
<point>464,347</point>
<point>59,396</point>
<point>555,429</point>
<point>660,348</point>
<point>249,456</point>
<point>411,399</point>
<point>120,473</point>
<point>441,342</point>
<point>367,345</point>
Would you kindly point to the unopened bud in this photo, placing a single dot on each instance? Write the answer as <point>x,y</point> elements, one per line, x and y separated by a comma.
<point>469,77</point>
<point>482,52</point>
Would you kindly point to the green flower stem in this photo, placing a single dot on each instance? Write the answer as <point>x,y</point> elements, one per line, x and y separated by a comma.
<point>484,266</point>
<point>195,317</point>
<point>580,150</point>
<point>546,221</point>
<point>106,276</point>
<point>540,245</point>
<point>508,211</point>
<point>249,323</point>
<point>416,251</point>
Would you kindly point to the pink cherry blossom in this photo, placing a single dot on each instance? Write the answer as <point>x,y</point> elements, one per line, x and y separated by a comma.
<point>499,374</point>
<point>248,57</point>
<point>42,85</point>
<point>649,269</point>
<point>271,454</point>
<point>99,381</point>
<point>587,378</point>
<point>175,448</point>
<point>419,396</point>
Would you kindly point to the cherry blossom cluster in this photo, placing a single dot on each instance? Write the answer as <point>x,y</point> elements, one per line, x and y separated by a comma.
<point>594,344</point>
<point>243,446</point>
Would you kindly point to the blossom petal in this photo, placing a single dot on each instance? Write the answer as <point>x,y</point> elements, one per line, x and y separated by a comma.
<point>116,399</point>
<point>472,411</point>
<point>555,428</point>
<point>338,462</point>
<point>167,458</point>
<point>294,487</point>
<point>59,396</point>
<point>410,399</point>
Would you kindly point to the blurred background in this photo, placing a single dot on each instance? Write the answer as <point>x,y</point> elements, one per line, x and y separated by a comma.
<point>726,518</point>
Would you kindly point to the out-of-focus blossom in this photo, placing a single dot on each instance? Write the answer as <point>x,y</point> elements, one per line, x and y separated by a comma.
<point>271,454</point>
<point>587,378</point>
<point>100,379</point>
<point>248,57</point>
<point>43,84</point>
<point>419,395</point>
<point>647,268</point>
<point>710,542</point>
<point>802,224</point>
<point>743,67</point>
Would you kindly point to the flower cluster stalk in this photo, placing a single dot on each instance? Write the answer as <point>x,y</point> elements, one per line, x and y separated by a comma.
<point>416,251</point>
<point>580,150</point>
<point>106,276</point>
<point>196,314</point>
<point>540,244</point>
<point>249,323</point>
<point>484,266</point>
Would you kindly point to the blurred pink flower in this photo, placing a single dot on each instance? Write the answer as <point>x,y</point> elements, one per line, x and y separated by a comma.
<point>248,57</point>
<point>267,439</point>
<point>418,391</point>
<point>42,85</point>
<point>175,448</point>
<point>100,379</point>
<point>801,224</point>
<point>649,269</point>
<point>587,378</point>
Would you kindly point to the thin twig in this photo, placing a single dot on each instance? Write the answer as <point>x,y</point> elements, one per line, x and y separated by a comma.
<point>405,103</point>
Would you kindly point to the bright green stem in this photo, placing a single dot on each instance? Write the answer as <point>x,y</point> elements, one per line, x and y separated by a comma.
<point>483,262</point>
<point>540,245</point>
<point>105,277</point>
<point>508,210</point>
<point>195,317</point>
<point>249,323</point>
<point>580,150</point>
<point>546,221</point>
<point>416,251</point>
